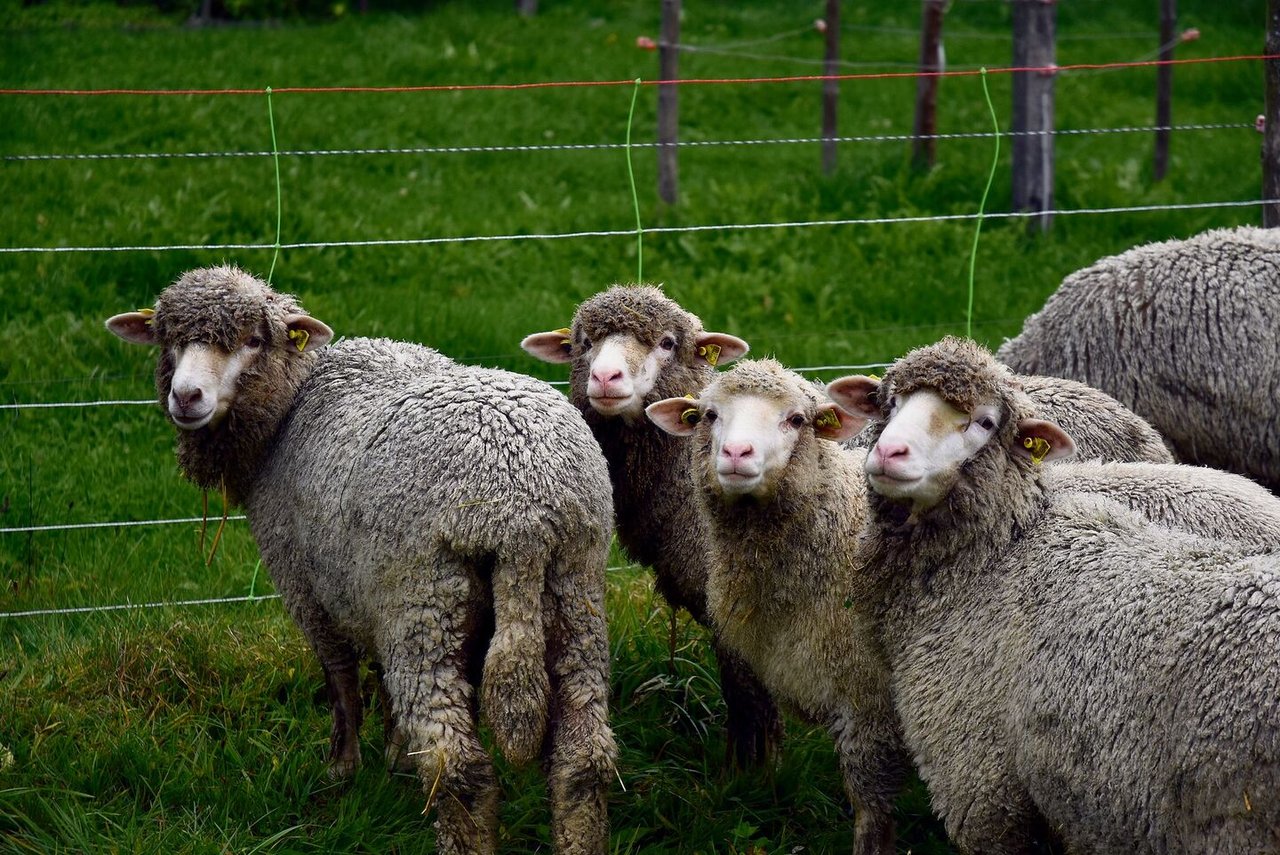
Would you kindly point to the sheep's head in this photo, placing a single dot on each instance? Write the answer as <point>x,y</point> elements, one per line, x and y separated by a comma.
<point>940,409</point>
<point>632,345</point>
<point>216,327</point>
<point>748,424</point>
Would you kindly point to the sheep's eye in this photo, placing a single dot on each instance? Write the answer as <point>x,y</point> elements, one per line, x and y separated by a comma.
<point>586,343</point>
<point>987,423</point>
<point>797,421</point>
<point>253,341</point>
<point>667,343</point>
<point>710,416</point>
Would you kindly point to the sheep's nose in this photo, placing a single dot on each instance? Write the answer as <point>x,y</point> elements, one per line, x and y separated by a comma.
<point>605,376</point>
<point>897,451</point>
<point>185,398</point>
<point>737,450</point>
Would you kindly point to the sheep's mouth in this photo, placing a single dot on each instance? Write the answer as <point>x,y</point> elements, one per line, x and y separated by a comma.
<point>894,480</point>
<point>610,403</point>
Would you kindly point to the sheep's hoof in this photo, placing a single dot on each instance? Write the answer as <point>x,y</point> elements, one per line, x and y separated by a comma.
<point>341,768</point>
<point>397,754</point>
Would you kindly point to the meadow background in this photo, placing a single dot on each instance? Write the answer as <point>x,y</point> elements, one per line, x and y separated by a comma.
<point>204,728</point>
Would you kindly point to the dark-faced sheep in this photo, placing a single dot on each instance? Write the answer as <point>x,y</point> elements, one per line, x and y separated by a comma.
<point>1058,661</point>
<point>451,523</point>
<point>1186,333</point>
<point>784,505</point>
<point>628,347</point>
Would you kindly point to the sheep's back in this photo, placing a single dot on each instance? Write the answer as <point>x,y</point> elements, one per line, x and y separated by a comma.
<point>1186,333</point>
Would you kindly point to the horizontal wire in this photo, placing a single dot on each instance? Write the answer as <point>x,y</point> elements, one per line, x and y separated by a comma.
<point>490,149</point>
<point>23,529</point>
<point>688,81</point>
<point>727,227</point>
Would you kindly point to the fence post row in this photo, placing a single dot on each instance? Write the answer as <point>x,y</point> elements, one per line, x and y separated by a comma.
<point>1034,32</point>
<point>1271,114</point>
<point>924,151</point>
<point>830,87</point>
<point>668,105</point>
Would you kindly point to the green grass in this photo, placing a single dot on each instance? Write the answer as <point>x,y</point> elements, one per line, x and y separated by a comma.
<point>200,729</point>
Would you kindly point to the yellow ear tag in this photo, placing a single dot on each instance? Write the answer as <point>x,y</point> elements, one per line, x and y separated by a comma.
<point>827,419</point>
<point>711,352</point>
<point>149,314</point>
<point>566,332</point>
<point>300,337</point>
<point>1038,446</point>
<point>690,416</point>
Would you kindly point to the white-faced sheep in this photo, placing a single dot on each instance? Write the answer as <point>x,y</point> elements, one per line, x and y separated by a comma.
<point>1057,660</point>
<point>1186,333</point>
<point>784,504</point>
<point>450,522</point>
<point>628,347</point>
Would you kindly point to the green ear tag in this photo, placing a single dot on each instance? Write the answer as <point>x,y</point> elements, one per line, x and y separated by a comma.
<point>690,416</point>
<point>1038,446</point>
<point>827,419</point>
<point>711,352</point>
<point>300,338</point>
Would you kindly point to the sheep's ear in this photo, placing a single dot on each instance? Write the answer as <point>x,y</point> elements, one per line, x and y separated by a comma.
<point>1041,441</point>
<point>836,424</point>
<point>677,416</point>
<point>555,346</point>
<point>857,394</point>
<point>719,348</point>
<point>134,327</point>
<point>307,333</point>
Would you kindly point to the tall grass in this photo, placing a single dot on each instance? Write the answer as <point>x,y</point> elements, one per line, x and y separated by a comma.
<point>201,729</point>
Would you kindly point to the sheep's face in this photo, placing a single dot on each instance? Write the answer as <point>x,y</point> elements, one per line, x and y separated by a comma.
<point>233,328</point>
<point>925,441</point>
<point>745,435</point>
<point>621,345</point>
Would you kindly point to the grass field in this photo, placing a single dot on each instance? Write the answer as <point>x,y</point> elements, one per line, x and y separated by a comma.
<point>203,728</point>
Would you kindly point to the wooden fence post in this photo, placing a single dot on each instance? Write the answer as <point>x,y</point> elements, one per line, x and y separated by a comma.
<point>668,103</point>
<point>1164,86</point>
<point>1034,31</point>
<point>924,151</point>
<point>830,88</point>
<point>1271,133</point>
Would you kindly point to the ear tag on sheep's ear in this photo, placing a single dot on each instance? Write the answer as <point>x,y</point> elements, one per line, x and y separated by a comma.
<point>566,332</point>
<point>711,352</point>
<point>300,338</point>
<point>690,417</point>
<point>149,314</point>
<point>827,419</point>
<point>1038,446</point>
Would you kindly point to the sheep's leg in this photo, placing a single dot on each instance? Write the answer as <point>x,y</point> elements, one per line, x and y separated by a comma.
<point>873,763</point>
<point>514,687</point>
<point>428,648</point>
<point>582,752</point>
<point>754,724</point>
<point>341,665</point>
<point>393,737</point>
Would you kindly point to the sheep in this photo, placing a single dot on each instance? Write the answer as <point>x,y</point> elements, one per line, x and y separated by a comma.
<point>784,505</point>
<point>1184,332</point>
<point>1058,661</point>
<point>628,347</point>
<point>450,522</point>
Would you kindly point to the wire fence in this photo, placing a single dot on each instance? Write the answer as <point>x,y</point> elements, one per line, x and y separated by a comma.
<point>35,157</point>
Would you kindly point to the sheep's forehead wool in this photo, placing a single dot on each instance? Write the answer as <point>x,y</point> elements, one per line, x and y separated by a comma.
<point>963,372</point>
<point>220,305</point>
<point>641,310</point>
<point>766,378</point>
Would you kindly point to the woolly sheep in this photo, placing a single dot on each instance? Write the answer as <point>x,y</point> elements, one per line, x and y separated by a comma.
<point>1056,660</point>
<point>628,347</point>
<point>1186,333</point>
<point>452,523</point>
<point>784,504</point>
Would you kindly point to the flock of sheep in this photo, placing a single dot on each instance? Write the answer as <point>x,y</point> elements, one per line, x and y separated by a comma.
<point>999,579</point>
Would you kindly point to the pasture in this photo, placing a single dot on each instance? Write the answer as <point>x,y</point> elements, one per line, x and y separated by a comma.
<point>203,728</point>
